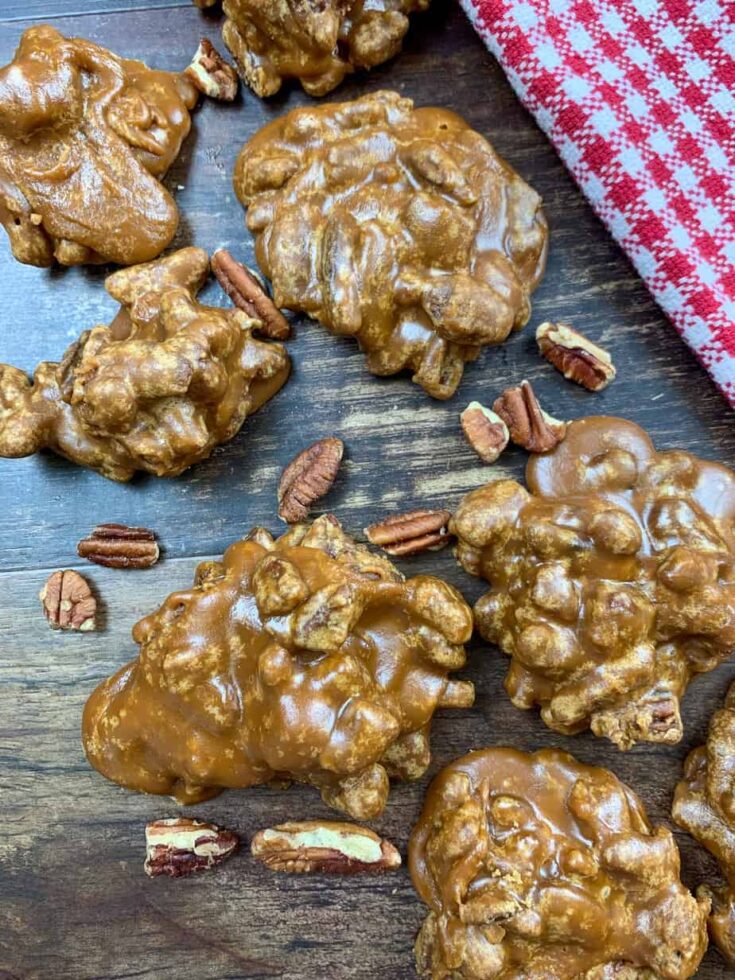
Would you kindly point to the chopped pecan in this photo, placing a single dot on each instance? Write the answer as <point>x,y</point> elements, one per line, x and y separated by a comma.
<point>179,846</point>
<point>575,356</point>
<point>528,423</point>
<point>308,477</point>
<point>246,290</point>
<point>210,73</point>
<point>68,602</point>
<point>324,845</point>
<point>485,431</point>
<point>118,546</point>
<point>411,533</point>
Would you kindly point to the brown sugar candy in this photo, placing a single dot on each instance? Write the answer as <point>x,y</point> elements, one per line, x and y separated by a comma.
<point>540,866</point>
<point>611,581</point>
<point>116,125</point>
<point>704,805</point>
<point>157,390</point>
<point>398,227</point>
<point>305,658</point>
<point>317,43</point>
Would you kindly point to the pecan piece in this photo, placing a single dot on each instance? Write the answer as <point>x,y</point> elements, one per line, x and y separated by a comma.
<point>210,73</point>
<point>179,846</point>
<point>411,533</point>
<point>308,477</point>
<point>528,423</point>
<point>246,290</point>
<point>575,356</point>
<point>485,431</point>
<point>323,845</point>
<point>67,601</point>
<point>118,546</point>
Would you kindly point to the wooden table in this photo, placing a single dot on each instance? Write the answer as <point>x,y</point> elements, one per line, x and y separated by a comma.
<point>74,902</point>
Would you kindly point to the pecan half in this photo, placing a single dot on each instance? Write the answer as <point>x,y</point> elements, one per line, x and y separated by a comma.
<point>528,423</point>
<point>245,289</point>
<point>68,603</point>
<point>210,73</point>
<point>485,431</point>
<point>575,356</point>
<point>324,845</point>
<point>118,546</point>
<point>308,477</point>
<point>411,533</point>
<point>179,846</point>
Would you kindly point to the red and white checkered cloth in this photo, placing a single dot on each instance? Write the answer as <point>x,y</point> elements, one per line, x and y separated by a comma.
<point>638,97</point>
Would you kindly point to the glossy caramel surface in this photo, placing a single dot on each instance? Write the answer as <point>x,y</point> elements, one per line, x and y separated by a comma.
<point>304,658</point>
<point>156,390</point>
<point>397,226</point>
<point>537,867</point>
<point>85,137</point>
<point>612,579</point>
<point>317,43</point>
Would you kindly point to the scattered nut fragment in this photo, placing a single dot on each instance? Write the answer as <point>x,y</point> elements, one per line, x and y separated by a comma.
<point>246,291</point>
<point>179,846</point>
<point>118,546</point>
<point>307,478</point>
<point>485,431</point>
<point>68,602</point>
<point>210,73</point>
<point>575,356</point>
<point>528,423</point>
<point>411,533</point>
<point>323,846</point>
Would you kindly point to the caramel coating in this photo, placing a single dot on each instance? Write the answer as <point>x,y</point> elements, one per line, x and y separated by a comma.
<point>613,579</point>
<point>540,867</point>
<point>305,658</point>
<point>156,390</point>
<point>318,43</point>
<point>85,137</point>
<point>397,226</point>
<point>704,804</point>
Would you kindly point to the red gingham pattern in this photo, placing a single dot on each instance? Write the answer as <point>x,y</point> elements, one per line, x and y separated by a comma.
<point>638,97</point>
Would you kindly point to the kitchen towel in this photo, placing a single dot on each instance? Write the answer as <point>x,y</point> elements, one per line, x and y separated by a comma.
<point>638,97</point>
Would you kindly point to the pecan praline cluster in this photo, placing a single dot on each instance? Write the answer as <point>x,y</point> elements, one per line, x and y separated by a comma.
<point>85,138</point>
<point>612,581</point>
<point>704,804</point>
<point>399,227</point>
<point>540,866</point>
<point>156,390</point>
<point>305,658</point>
<point>317,43</point>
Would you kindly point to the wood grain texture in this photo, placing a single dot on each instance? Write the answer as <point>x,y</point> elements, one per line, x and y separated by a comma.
<point>74,902</point>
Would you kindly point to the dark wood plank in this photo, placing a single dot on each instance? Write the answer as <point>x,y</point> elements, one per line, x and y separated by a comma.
<point>75,903</point>
<point>54,9</point>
